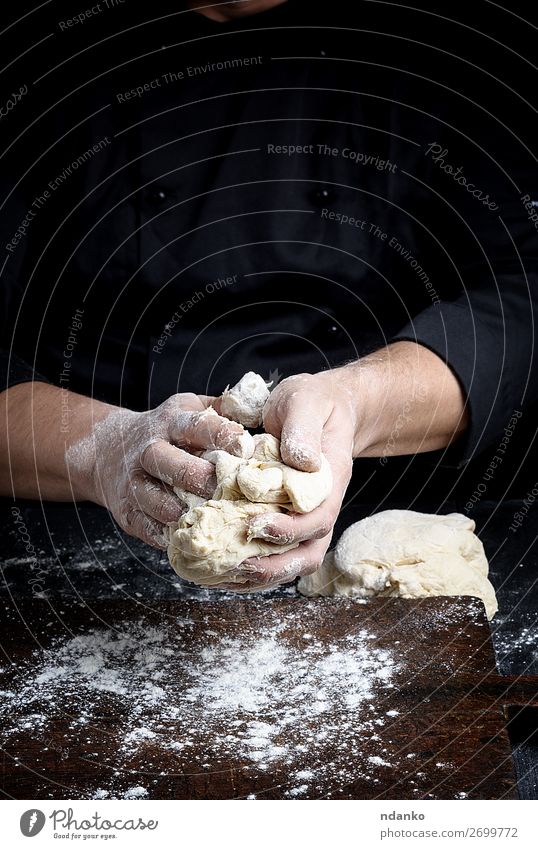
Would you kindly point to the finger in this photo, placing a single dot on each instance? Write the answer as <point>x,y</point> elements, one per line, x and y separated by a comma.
<point>155,500</point>
<point>178,468</point>
<point>206,430</point>
<point>283,529</point>
<point>302,428</point>
<point>276,569</point>
<point>137,524</point>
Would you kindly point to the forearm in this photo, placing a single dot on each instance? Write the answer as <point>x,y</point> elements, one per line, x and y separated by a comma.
<point>39,423</point>
<point>406,401</point>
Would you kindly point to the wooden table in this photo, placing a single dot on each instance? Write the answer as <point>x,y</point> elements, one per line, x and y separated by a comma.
<point>439,729</point>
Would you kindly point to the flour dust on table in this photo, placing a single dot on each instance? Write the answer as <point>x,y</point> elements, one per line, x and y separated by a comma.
<point>268,696</point>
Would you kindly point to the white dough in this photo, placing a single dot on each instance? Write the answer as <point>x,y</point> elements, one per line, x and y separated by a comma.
<point>245,401</point>
<point>212,538</point>
<point>406,554</point>
<point>264,477</point>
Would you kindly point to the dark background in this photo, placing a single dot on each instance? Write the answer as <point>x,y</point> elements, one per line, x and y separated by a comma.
<point>78,550</point>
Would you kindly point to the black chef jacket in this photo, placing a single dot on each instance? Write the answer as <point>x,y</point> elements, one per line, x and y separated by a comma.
<point>185,200</point>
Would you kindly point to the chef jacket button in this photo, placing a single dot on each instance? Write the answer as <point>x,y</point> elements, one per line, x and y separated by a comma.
<point>157,195</point>
<point>333,329</point>
<point>322,195</point>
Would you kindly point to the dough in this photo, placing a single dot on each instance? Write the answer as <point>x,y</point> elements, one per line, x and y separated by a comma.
<point>407,554</point>
<point>212,538</point>
<point>265,478</point>
<point>245,401</point>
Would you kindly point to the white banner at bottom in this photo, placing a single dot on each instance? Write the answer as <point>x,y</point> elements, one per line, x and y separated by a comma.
<point>272,824</point>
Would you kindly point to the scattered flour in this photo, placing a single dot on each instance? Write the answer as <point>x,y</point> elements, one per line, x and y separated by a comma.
<point>377,761</point>
<point>135,793</point>
<point>264,699</point>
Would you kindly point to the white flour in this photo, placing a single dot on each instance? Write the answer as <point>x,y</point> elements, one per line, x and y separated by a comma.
<point>262,699</point>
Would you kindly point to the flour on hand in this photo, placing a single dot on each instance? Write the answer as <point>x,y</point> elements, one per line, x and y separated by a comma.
<point>406,554</point>
<point>212,538</point>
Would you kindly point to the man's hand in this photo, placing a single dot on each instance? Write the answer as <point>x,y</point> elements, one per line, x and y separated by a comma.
<point>400,400</point>
<point>310,414</point>
<point>130,462</point>
<point>61,446</point>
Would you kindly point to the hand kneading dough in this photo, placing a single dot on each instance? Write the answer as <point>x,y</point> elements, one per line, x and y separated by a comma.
<point>212,538</point>
<point>406,554</point>
<point>245,401</point>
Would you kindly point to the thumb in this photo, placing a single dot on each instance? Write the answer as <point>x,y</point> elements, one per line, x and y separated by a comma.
<point>302,429</point>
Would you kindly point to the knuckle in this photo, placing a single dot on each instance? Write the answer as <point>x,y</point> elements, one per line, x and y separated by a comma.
<point>144,528</point>
<point>286,537</point>
<point>281,532</point>
<point>295,380</point>
<point>171,403</point>
<point>196,417</point>
<point>297,384</point>
<point>187,400</point>
<point>175,405</point>
<point>285,529</point>
<point>149,454</point>
<point>182,476</point>
<point>324,528</point>
<point>168,510</point>
<point>204,428</point>
<point>127,516</point>
<point>159,507</point>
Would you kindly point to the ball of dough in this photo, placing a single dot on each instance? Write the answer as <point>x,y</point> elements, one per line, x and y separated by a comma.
<point>245,401</point>
<point>407,554</point>
<point>265,478</point>
<point>212,538</point>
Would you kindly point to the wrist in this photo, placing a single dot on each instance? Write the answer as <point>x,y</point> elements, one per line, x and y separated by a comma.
<point>361,383</point>
<point>84,447</point>
<point>405,399</point>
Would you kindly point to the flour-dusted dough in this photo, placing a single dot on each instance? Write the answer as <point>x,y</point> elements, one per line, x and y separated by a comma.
<point>264,477</point>
<point>212,538</point>
<point>245,401</point>
<point>407,554</point>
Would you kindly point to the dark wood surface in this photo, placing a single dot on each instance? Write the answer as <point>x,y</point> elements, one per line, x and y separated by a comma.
<point>442,726</point>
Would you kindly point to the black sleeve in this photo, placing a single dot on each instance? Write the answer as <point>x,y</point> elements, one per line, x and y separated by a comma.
<point>488,342</point>
<point>13,370</point>
<point>484,217</point>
